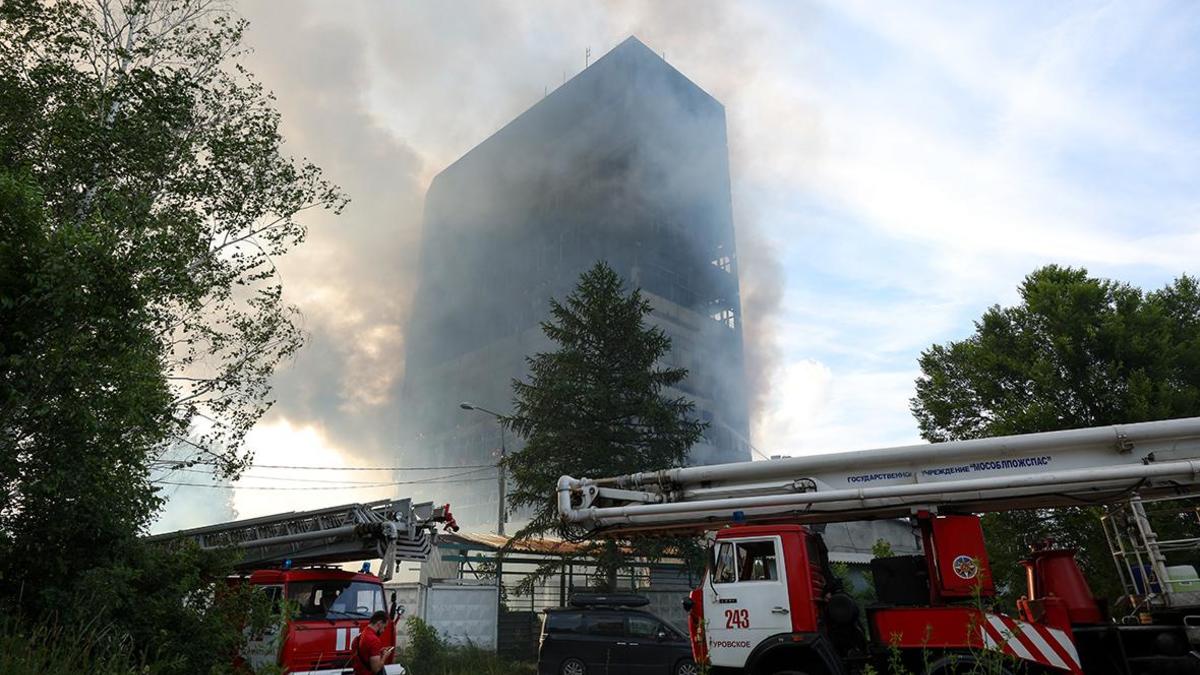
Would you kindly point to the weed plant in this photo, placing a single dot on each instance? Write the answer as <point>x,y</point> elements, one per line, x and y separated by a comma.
<point>428,653</point>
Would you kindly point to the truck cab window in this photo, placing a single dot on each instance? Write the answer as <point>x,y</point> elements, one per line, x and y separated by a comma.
<point>274,595</point>
<point>723,573</point>
<point>336,598</point>
<point>757,561</point>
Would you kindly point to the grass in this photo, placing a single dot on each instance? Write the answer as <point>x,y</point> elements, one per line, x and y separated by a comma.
<point>470,660</point>
<point>50,650</point>
<point>39,649</point>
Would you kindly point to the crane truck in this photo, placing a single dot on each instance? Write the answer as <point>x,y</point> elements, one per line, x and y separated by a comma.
<point>769,603</point>
<point>294,557</point>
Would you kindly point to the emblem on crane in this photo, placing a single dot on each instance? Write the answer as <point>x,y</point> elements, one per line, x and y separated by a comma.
<point>965,567</point>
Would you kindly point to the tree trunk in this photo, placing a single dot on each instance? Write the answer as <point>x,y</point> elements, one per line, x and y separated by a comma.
<point>611,565</point>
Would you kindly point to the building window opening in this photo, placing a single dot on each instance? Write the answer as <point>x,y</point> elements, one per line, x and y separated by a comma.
<point>727,317</point>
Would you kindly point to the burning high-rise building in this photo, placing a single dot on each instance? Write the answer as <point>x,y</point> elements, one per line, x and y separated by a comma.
<point>626,162</point>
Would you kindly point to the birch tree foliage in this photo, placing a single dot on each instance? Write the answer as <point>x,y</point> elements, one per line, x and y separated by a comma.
<point>1077,351</point>
<point>135,119</point>
<point>145,195</point>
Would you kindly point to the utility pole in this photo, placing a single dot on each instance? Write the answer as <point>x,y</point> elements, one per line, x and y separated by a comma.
<point>502,515</point>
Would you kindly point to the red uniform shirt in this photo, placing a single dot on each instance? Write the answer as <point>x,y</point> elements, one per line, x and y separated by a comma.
<point>366,645</point>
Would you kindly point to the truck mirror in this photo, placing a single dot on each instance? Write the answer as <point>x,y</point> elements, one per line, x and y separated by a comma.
<point>393,610</point>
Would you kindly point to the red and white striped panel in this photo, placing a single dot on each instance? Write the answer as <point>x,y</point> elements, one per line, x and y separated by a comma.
<point>1031,642</point>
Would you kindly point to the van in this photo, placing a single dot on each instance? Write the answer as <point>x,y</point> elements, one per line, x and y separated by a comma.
<point>608,637</point>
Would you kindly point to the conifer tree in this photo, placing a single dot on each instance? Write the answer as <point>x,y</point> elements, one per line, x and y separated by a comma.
<point>599,405</point>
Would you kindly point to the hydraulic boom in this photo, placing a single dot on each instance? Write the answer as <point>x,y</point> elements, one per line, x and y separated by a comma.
<point>1060,468</point>
<point>771,603</point>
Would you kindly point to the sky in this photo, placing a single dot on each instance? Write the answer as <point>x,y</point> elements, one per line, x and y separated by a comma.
<point>896,168</point>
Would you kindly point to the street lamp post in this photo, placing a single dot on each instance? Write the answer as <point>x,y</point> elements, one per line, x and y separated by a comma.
<point>501,516</point>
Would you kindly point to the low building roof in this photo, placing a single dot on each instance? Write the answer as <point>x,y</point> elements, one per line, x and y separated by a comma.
<point>488,541</point>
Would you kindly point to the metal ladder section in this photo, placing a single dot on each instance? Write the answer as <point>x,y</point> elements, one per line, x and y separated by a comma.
<point>389,530</point>
<point>1142,558</point>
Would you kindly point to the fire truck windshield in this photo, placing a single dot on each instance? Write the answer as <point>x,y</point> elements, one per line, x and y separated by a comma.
<point>334,599</point>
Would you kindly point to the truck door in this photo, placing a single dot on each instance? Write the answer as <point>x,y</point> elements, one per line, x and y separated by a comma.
<point>747,599</point>
<point>262,649</point>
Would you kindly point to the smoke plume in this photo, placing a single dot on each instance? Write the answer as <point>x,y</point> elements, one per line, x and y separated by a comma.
<point>384,96</point>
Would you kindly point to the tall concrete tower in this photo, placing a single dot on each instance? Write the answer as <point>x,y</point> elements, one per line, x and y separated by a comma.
<point>626,162</point>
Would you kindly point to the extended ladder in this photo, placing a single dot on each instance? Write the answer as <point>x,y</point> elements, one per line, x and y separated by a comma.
<point>390,530</point>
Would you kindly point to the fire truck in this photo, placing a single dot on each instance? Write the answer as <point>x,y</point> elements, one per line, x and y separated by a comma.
<point>296,557</point>
<point>770,604</point>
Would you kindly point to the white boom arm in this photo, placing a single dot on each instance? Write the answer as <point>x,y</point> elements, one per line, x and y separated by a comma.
<point>1059,468</point>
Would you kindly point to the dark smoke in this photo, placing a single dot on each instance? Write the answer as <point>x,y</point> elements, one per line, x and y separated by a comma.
<point>384,96</point>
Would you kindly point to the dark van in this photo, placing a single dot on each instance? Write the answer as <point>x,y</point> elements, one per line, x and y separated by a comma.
<point>607,635</point>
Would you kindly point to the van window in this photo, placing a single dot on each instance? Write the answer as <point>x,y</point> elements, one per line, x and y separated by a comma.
<point>643,627</point>
<point>564,622</point>
<point>757,561</point>
<point>724,571</point>
<point>606,624</point>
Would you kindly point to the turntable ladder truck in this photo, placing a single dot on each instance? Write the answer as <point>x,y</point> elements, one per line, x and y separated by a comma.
<point>769,603</point>
<point>296,556</point>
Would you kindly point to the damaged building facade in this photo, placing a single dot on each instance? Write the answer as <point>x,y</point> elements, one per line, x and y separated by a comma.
<point>626,162</point>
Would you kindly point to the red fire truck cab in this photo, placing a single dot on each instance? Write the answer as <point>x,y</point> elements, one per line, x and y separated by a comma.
<point>770,603</point>
<point>332,606</point>
<point>290,556</point>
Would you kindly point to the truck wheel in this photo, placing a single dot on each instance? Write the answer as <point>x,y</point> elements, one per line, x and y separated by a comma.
<point>572,666</point>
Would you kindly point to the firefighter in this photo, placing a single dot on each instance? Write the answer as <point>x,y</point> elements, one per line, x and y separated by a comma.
<point>369,652</point>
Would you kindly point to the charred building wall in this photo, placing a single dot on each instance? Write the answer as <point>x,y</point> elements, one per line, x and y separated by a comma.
<point>626,162</point>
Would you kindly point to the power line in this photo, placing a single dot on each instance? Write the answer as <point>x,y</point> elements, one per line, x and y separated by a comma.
<point>293,479</point>
<point>348,487</point>
<point>181,463</point>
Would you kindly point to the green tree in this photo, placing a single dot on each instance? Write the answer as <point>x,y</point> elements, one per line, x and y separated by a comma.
<point>1077,351</point>
<point>144,195</point>
<point>597,406</point>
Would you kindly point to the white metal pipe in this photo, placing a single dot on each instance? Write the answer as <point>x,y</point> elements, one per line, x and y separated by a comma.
<point>1119,438</point>
<point>1188,469</point>
<point>565,483</point>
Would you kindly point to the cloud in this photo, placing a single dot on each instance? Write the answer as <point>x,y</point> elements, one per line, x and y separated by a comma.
<point>962,148</point>
<point>283,442</point>
<point>823,410</point>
